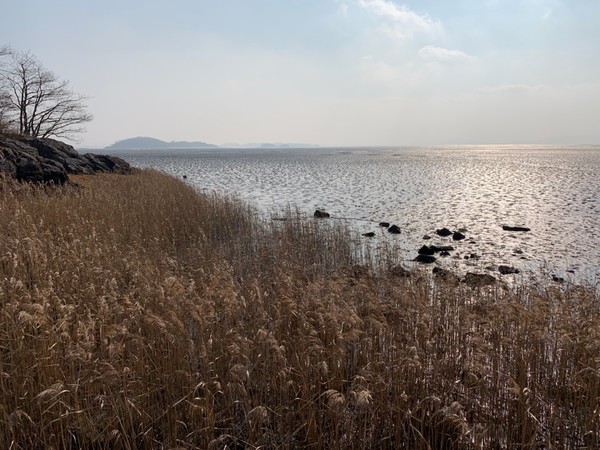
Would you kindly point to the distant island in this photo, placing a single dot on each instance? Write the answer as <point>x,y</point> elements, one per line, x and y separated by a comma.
<point>149,143</point>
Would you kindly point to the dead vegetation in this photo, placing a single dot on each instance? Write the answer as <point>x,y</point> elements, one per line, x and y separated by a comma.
<point>136,313</point>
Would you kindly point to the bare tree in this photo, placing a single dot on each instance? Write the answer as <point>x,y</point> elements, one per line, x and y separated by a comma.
<point>4,98</point>
<point>37,101</point>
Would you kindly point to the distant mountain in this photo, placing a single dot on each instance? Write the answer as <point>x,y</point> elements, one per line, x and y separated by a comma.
<point>148,143</point>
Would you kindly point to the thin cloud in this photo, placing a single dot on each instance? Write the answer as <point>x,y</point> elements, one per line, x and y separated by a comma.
<point>402,21</point>
<point>443,54</point>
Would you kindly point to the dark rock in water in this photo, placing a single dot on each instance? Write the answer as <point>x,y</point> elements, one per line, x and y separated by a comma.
<point>44,160</point>
<point>474,256</point>
<point>558,279</point>
<point>426,237</point>
<point>458,236</point>
<point>369,234</point>
<point>509,228</point>
<point>185,177</point>
<point>394,229</point>
<point>319,213</point>
<point>444,253</point>
<point>425,259</point>
<point>479,279</point>
<point>384,224</point>
<point>426,250</point>
<point>443,232</point>
<point>445,275</point>
<point>442,248</point>
<point>507,270</point>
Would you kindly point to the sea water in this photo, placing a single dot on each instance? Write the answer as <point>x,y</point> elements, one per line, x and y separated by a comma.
<point>554,190</point>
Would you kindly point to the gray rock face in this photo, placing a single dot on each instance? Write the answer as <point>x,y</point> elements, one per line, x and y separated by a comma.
<point>50,161</point>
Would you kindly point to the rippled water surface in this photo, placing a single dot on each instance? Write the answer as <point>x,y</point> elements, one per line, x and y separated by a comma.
<point>553,190</point>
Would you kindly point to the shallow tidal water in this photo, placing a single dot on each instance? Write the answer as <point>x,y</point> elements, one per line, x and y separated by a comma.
<point>555,191</point>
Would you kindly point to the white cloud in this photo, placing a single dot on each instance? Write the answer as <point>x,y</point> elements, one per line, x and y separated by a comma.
<point>402,21</point>
<point>443,54</point>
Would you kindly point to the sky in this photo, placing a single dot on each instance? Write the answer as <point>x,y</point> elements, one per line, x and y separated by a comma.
<point>327,72</point>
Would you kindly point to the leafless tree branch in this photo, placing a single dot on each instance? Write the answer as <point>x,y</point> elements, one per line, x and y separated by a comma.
<point>35,101</point>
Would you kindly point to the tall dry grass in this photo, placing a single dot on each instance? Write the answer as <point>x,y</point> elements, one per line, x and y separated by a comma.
<point>136,313</point>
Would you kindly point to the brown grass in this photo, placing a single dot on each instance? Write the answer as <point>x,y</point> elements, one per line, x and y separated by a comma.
<point>137,314</point>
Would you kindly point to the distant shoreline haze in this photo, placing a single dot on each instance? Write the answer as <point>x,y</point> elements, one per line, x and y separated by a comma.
<point>149,143</point>
<point>138,143</point>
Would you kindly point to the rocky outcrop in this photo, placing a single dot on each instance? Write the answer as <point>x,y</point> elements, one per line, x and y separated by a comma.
<point>50,161</point>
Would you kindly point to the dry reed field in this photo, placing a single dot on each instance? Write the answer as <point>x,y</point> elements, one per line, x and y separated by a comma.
<point>136,313</point>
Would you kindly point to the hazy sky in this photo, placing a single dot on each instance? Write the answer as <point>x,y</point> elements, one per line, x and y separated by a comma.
<point>331,72</point>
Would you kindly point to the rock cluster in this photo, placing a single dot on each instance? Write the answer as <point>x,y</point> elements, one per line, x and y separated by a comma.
<point>321,214</point>
<point>44,160</point>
